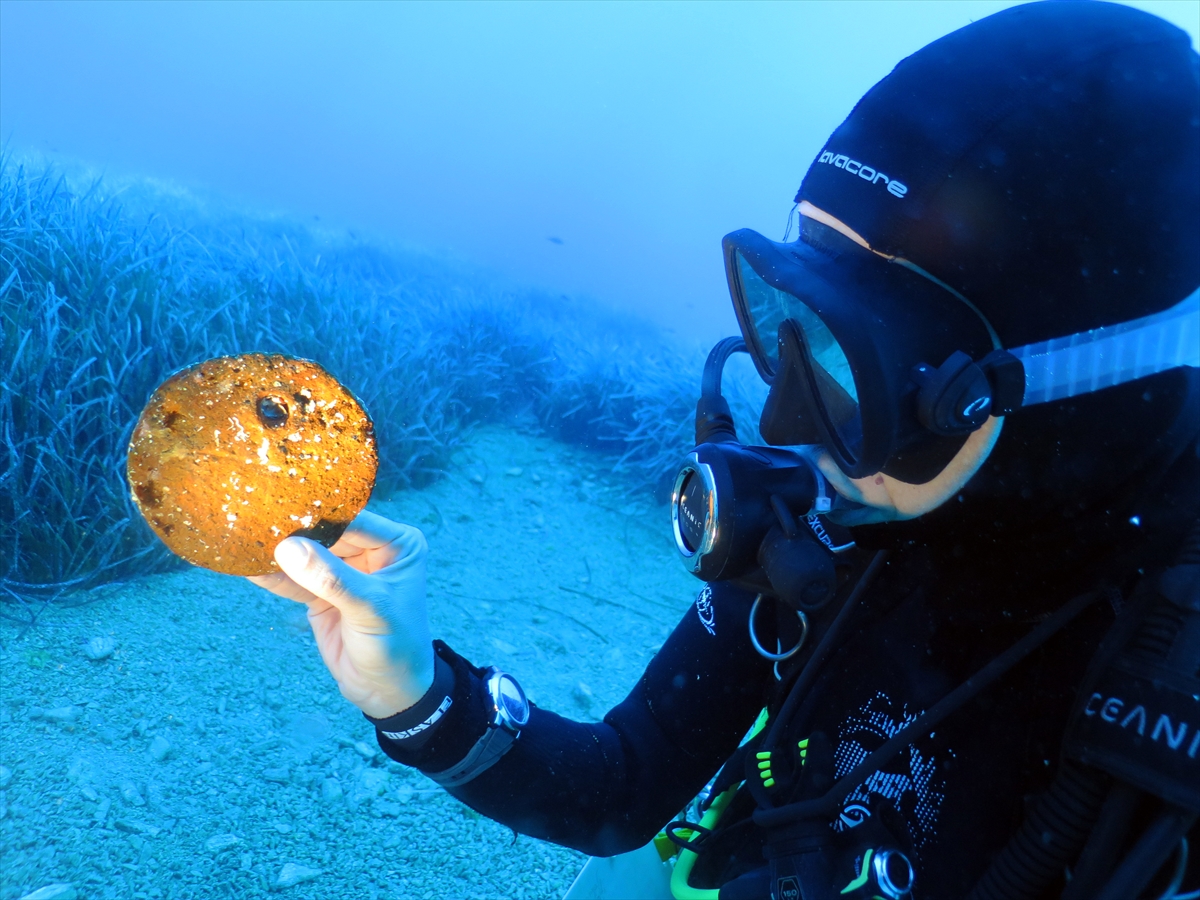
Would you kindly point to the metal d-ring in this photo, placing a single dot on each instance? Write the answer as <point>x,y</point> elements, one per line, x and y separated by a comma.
<point>766,654</point>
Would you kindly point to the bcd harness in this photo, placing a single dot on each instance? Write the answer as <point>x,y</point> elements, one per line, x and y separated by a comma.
<point>1132,744</point>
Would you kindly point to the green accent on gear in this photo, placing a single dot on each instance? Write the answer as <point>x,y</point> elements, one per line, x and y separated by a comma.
<point>764,764</point>
<point>770,782</point>
<point>763,754</point>
<point>680,889</point>
<point>862,876</point>
<point>759,724</point>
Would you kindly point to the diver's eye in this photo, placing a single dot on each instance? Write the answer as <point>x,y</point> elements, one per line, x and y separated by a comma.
<point>272,411</point>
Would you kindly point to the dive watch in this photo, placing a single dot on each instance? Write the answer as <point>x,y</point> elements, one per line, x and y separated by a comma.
<point>510,713</point>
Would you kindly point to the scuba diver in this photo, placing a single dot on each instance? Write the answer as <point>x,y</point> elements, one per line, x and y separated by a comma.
<point>949,637</point>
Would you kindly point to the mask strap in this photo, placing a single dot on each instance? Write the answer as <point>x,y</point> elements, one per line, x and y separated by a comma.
<point>819,215</point>
<point>1114,354</point>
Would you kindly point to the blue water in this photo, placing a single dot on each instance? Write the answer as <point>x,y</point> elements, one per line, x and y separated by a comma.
<point>593,149</point>
<point>554,178</point>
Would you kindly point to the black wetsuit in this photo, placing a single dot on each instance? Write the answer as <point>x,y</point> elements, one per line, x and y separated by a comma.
<point>960,586</point>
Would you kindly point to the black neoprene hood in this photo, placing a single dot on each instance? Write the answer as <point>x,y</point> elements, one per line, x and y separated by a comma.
<point>1044,161</point>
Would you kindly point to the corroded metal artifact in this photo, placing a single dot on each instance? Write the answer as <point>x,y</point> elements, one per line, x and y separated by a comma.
<point>234,454</point>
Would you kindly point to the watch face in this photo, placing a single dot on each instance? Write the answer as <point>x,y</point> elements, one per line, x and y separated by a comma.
<point>511,700</point>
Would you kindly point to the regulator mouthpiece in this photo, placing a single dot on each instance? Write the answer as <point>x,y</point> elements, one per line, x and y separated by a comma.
<point>752,515</point>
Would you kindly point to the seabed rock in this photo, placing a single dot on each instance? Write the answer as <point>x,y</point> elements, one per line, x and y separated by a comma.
<point>365,750</point>
<point>131,794</point>
<point>219,842</point>
<point>64,714</point>
<point>160,748</point>
<point>100,648</point>
<point>331,790</point>
<point>294,873</point>
<point>61,891</point>
<point>5,776</point>
<point>133,826</point>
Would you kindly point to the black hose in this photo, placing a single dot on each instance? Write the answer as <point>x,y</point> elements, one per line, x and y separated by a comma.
<point>829,642</point>
<point>710,381</point>
<point>1101,853</point>
<point>1049,838</point>
<point>1148,854</point>
<point>827,804</point>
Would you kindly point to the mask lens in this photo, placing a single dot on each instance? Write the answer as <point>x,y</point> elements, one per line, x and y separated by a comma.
<point>767,306</point>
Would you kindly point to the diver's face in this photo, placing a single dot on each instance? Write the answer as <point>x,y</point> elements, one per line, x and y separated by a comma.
<point>885,499</point>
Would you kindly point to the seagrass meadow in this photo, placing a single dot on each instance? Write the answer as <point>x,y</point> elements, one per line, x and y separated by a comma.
<point>168,732</point>
<point>104,291</point>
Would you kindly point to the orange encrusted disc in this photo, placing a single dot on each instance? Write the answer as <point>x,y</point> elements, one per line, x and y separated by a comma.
<point>234,454</point>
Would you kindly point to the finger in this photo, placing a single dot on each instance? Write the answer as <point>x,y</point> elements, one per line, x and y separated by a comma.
<point>281,585</point>
<point>370,531</point>
<point>326,577</point>
<point>371,542</point>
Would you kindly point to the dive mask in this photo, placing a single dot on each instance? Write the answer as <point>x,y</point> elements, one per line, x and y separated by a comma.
<point>890,369</point>
<point>886,368</point>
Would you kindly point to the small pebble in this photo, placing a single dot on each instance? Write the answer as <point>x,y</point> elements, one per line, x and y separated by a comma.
<point>283,827</point>
<point>5,776</point>
<point>475,478</point>
<point>331,790</point>
<point>63,714</point>
<point>387,808</point>
<point>535,478</point>
<point>160,748</point>
<point>100,648</point>
<point>540,620</point>
<point>61,891</point>
<point>131,795</point>
<point>373,782</point>
<point>89,793</point>
<point>294,873</point>
<point>515,471</point>
<point>365,750</point>
<point>102,810</point>
<point>133,826</point>
<point>219,842</point>
<point>281,775</point>
<point>582,695</point>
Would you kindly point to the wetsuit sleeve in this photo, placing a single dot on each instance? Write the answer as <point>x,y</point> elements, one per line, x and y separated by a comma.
<point>608,787</point>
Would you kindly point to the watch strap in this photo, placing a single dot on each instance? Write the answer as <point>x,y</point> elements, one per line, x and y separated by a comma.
<point>496,741</point>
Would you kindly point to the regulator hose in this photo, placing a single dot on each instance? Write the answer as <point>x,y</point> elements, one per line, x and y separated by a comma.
<point>1050,837</point>
<point>1085,805</point>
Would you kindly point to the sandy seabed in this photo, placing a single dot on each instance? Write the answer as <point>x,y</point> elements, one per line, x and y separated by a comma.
<point>211,755</point>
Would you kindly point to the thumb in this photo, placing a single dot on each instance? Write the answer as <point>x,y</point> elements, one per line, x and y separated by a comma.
<point>322,574</point>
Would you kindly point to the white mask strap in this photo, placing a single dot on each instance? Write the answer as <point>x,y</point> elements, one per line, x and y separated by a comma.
<point>1114,354</point>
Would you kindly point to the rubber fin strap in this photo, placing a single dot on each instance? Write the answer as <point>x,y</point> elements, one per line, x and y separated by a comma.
<point>1091,360</point>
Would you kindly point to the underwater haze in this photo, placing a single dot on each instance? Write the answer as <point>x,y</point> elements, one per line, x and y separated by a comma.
<point>498,225</point>
<point>592,149</point>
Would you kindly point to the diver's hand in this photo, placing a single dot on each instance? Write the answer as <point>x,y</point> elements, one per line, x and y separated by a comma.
<point>366,606</point>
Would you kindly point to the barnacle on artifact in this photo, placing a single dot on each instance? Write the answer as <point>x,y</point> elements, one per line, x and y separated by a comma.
<point>234,454</point>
